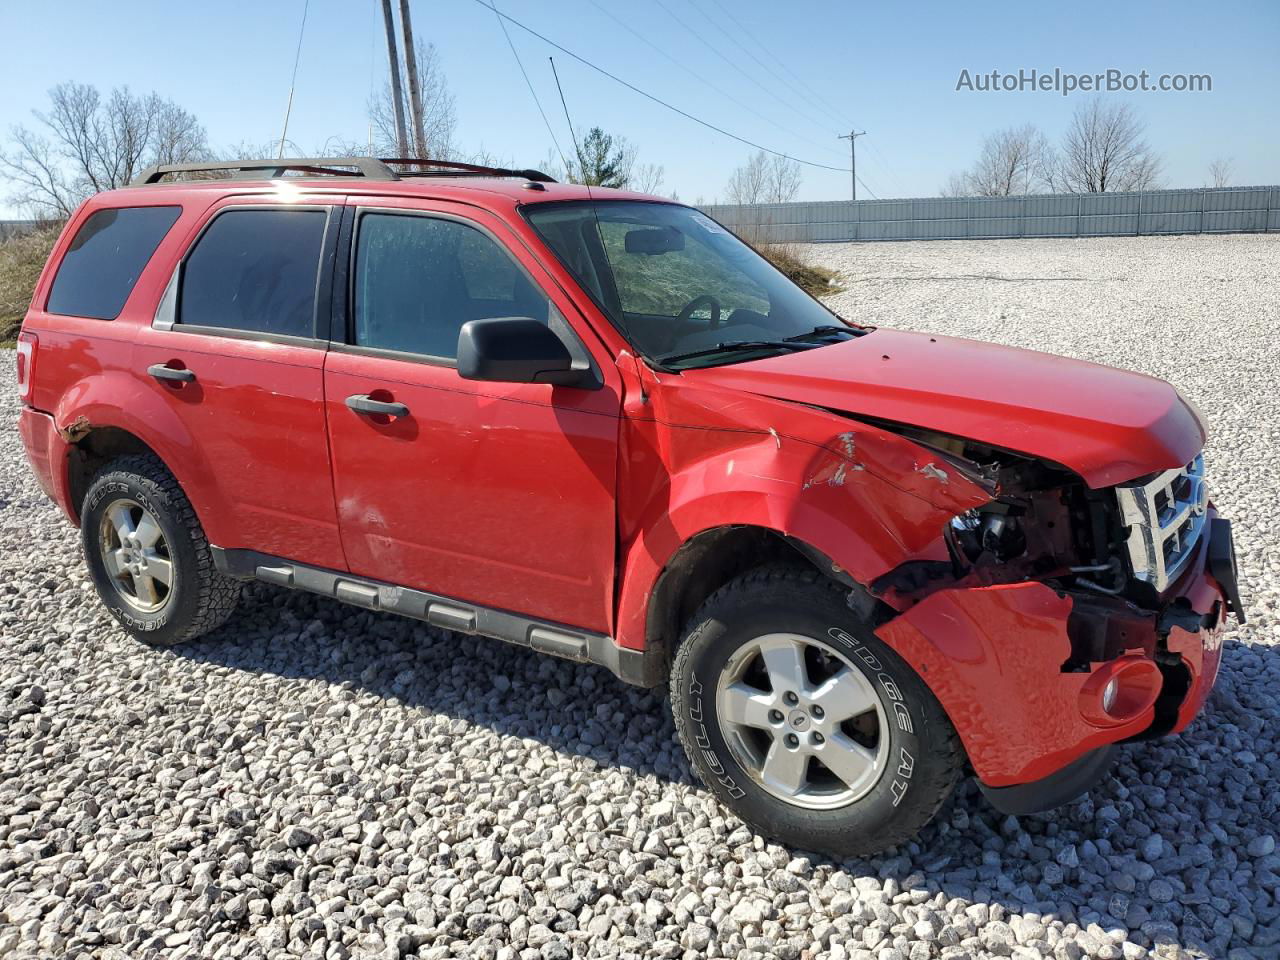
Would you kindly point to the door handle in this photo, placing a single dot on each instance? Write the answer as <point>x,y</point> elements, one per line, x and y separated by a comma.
<point>363,403</point>
<point>162,371</point>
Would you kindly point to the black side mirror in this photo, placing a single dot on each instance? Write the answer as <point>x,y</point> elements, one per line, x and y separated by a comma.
<point>514,350</point>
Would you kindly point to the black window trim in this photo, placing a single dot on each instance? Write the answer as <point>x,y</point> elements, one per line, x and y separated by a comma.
<point>166,316</point>
<point>344,302</point>
<point>44,307</point>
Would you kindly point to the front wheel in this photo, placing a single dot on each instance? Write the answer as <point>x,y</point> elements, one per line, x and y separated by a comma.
<point>804,722</point>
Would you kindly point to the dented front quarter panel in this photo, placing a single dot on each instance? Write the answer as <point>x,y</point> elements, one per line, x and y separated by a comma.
<point>698,458</point>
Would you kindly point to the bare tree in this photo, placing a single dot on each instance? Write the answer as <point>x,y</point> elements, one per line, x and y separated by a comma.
<point>764,179</point>
<point>746,184</point>
<point>88,144</point>
<point>1013,162</point>
<point>1104,151</point>
<point>782,181</point>
<point>957,185</point>
<point>647,177</point>
<point>439,116</point>
<point>1220,171</point>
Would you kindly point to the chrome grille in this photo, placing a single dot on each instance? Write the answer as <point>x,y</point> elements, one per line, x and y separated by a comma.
<point>1165,517</point>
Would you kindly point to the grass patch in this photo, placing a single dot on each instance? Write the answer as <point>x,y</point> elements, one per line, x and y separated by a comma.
<point>22,258</point>
<point>815,280</point>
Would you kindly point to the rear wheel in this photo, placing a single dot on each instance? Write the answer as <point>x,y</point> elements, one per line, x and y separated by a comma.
<point>806,724</point>
<point>148,556</point>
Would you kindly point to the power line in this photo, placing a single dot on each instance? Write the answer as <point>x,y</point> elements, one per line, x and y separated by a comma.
<point>527,82</point>
<point>830,108</point>
<point>764,66</point>
<point>697,76</point>
<point>649,96</point>
<point>808,94</point>
<point>702,40</point>
<point>294,78</point>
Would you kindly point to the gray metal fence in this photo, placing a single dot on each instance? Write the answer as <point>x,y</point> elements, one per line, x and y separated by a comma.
<point>1208,210</point>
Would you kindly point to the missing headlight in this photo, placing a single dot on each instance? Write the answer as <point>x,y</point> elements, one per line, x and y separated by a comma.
<point>994,529</point>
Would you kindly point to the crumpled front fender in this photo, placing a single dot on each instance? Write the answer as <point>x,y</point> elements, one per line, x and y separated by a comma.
<point>866,498</point>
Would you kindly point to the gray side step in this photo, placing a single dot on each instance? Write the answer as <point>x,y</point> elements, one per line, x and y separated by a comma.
<point>582,646</point>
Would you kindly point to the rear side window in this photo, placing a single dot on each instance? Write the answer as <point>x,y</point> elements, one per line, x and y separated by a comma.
<point>105,260</point>
<point>255,270</point>
<point>419,279</point>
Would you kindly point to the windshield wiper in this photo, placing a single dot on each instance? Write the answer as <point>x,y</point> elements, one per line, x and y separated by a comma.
<point>824,330</point>
<point>735,346</point>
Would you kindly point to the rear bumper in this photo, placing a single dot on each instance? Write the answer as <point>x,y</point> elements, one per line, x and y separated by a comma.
<point>1021,669</point>
<point>47,454</point>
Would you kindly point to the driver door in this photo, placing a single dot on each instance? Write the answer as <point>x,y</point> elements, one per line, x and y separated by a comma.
<point>501,495</point>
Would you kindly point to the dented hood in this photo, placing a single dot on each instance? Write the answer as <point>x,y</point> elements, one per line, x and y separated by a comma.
<point>1107,425</point>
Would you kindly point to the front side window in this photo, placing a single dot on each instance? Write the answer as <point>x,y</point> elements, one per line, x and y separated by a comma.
<point>679,285</point>
<point>418,279</point>
<point>105,259</point>
<point>255,271</point>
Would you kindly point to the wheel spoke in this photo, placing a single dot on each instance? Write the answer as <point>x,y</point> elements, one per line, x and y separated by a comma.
<point>144,588</point>
<point>115,563</point>
<point>161,569</point>
<point>148,531</point>
<point>784,660</point>
<point>844,695</point>
<point>785,769</point>
<point>746,705</point>
<point>121,518</point>
<point>847,759</point>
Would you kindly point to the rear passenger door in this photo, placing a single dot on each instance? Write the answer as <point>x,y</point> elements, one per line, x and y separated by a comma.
<point>499,494</point>
<point>237,351</point>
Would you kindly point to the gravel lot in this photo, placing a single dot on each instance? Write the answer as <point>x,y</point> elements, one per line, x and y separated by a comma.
<point>318,781</point>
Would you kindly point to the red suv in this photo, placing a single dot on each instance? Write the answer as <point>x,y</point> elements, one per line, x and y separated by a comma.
<point>597,424</point>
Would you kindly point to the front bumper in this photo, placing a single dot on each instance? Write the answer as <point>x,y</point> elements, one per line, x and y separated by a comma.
<point>1021,669</point>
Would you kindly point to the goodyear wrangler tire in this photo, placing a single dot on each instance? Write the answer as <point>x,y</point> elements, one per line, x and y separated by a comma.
<point>804,723</point>
<point>148,556</point>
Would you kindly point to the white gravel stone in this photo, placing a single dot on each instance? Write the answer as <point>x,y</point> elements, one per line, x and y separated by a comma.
<point>319,781</point>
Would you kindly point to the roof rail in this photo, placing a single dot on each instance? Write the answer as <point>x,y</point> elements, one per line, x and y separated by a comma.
<point>446,168</point>
<point>370,168</point>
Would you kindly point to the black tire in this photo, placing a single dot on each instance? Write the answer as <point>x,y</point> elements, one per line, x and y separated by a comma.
<point>924,757</point>
<point>199,599</point>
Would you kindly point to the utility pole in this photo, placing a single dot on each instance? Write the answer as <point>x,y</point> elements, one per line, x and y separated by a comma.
<point>852,136</point>
<point>415,92</point>
<point>397,95</point>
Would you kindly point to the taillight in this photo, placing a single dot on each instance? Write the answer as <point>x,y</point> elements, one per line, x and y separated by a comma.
<point>27,343</point>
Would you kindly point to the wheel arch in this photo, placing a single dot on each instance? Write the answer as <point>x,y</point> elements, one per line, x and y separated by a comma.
<point>97,427</point>
<point>88,454</point>
<point>711,558</point>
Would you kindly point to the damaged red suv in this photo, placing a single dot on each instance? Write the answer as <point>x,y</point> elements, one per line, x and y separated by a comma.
<point>597,424</point>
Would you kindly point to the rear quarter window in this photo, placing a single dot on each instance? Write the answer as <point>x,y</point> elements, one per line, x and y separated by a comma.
<point>105,259</point>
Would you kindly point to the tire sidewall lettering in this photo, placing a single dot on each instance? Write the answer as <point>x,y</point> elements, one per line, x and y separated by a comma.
<point>897,703</point>
<point>702,739</point>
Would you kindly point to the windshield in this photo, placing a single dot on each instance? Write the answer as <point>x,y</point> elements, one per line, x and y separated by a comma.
<point>684,290</point>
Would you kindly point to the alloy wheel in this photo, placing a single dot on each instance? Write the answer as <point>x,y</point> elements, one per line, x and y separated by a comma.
<point>802,721</point>
<point>136,555</point>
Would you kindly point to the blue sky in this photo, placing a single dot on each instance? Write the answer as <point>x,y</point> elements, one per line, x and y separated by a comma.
<point>891,69</point>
